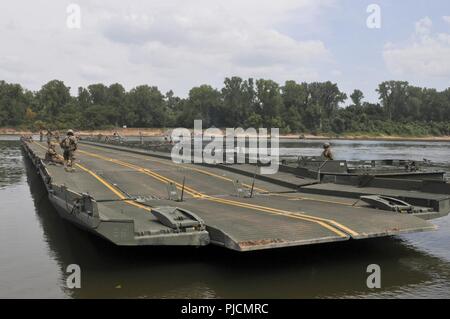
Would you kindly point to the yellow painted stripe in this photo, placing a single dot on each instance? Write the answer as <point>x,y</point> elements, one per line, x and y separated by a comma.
<point>350,231</point>
<point>281,213</point>
<point>184,166</point>
<point>314,219</point>
<point>298,197</point>
<point>140,169</point>
<point>195,193</point>
<point>143,157</point>
<point>112,189</point>
<point>108,185</point>
<point>101,180</point>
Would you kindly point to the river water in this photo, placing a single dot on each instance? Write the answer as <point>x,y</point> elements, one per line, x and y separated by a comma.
<point>37,246</point>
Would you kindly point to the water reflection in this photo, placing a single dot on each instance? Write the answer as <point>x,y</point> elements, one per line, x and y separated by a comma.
<point>11,168</point>
<point>334,270</point>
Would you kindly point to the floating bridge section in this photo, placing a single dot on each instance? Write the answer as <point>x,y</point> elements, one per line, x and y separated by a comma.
<point>136,197</point>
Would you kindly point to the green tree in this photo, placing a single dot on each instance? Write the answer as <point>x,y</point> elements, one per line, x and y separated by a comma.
<point>316,107</point>
<point>393,97</point>
<point>357,97</point>
<point>269,101</point>
<point>326,98</point>
<point>295,101</point>
<point>14,103</point>
<point>238,101</point>
<point>116,99</point>
<point>147,104</point>
<point>204,103</point>
<point>51,99</point>
<point>173,107</point>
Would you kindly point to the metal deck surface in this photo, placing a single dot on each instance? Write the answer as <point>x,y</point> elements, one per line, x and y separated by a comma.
<point>272,218</point>
<point>285,179</point>
<point>439,202</point>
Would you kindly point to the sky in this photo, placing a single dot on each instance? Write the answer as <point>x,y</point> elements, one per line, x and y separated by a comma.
<point>178,44</point>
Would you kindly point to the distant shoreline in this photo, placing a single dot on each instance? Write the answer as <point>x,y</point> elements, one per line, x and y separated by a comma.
<point>374,138</point>
<point>156,132</point>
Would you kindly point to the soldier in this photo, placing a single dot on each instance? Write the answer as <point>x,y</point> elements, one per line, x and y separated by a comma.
<point>327,154</point>
<point>49,137</point>
<point>69,144</point>
<point>41,136</point>
<point>52,156</point>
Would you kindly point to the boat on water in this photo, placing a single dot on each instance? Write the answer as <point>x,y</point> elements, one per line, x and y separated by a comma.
<point>131,196</point>
<point>313,166</point>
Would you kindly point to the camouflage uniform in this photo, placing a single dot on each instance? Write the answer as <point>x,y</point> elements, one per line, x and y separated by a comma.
<point>52,156</point>
<point>69,144</point>
<point>327,154</point>
<point>49,137</point>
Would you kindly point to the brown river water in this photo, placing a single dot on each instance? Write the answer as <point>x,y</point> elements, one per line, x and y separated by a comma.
<point>37,246</point>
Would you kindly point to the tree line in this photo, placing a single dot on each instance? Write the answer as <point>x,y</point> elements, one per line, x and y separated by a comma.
<point>294,107</point>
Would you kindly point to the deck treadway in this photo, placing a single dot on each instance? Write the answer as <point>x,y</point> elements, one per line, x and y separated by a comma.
<point>266,221</point>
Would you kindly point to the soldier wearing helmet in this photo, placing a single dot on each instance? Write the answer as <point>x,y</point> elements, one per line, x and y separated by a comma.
<point>49,137</point>
<point>51,156</point>
<point>56,136</point>
<point>327,154</point>
<point>69,145</point>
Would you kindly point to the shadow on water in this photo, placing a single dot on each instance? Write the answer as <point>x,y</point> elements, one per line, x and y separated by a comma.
<point>331,270</point>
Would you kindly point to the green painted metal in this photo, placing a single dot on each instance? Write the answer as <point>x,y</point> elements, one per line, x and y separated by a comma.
<point>132,206</point>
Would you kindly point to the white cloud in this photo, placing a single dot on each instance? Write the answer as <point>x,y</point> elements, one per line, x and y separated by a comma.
<point>423,26</point>
<point>232,37</point>
<point>173,44</point>
<point>93,72</point>
<point>425,55</point>
<point>446,19</point>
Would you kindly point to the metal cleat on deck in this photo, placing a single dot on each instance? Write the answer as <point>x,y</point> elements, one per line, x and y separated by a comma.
<point>392,204</point>
<point>178,219</point>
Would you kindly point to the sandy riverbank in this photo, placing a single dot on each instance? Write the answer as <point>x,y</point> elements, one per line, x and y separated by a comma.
<point>122,132</point>
<point>164,132</point>
<point>369,137</point>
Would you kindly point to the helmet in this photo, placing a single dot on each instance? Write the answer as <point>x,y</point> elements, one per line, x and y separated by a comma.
<point>70,132</point>
<point>326,145</point>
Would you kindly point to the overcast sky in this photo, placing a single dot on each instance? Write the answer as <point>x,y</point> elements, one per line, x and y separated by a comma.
<point>179,44</point>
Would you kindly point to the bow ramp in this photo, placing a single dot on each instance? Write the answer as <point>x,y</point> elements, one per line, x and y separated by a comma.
<point>131,198</point>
